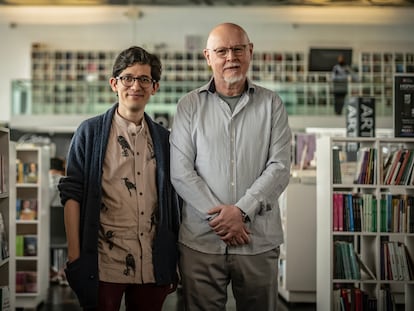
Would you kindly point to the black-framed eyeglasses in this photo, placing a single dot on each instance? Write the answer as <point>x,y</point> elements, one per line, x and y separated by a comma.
<point>129,81</point>
<point>238,50</point>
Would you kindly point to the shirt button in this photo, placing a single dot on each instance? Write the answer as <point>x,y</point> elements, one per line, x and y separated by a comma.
<point>141,234</point>
<point>142,213</point>
<point>138,173</point>
<point>140,193</point>
<point>137,153</point>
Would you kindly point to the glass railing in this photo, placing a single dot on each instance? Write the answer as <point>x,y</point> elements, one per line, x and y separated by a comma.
<point>31,97</point>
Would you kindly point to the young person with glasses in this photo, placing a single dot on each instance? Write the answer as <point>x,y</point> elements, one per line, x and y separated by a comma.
<point>230,162</point>
<point>121,211</point>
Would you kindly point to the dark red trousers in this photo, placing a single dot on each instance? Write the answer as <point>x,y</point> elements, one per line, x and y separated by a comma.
<point>145,297</point>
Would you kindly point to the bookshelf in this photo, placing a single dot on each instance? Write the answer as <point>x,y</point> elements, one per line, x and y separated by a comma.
<point>366,235</point>
<point>30,243</point>
<point>75,82</point>
<point>377,69</point>
<point>5,223</point>
<point>297,277</point>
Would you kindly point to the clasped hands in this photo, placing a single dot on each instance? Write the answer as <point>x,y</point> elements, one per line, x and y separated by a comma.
<point>227,223</point>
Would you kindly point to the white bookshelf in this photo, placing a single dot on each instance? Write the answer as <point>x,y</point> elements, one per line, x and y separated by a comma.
<point>37,265</point>
<point>297,261</point>
<point>5,198</point>
<point>366,243</point>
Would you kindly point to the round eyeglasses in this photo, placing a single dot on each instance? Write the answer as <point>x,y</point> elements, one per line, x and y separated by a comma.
<point>129,81</point>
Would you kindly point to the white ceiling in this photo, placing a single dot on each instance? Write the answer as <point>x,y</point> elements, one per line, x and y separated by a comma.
<point>214,2</point>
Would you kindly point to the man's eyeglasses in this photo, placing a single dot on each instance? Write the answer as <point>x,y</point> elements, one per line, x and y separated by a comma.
<point>143,81</point>
<point>238,50</point>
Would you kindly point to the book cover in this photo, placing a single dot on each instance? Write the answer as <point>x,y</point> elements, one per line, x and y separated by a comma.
<point>5,298</point>
<point>30,245</point>
<point>28,209</point>
<point>30,172</point>
<point>364,269</point>
<point>4,243</point>
<point>19,245</point>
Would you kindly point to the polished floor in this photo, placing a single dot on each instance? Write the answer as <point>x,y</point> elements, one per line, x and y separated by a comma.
<point>61,298</point>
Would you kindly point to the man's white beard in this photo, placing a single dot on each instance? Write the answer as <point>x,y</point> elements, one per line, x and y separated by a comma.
<point>233,79</point>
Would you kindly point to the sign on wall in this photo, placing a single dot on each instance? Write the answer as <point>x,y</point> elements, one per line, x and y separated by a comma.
<point>404,105</point>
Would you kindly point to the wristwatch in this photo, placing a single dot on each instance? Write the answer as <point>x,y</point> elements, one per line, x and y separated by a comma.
<point>245,217</point>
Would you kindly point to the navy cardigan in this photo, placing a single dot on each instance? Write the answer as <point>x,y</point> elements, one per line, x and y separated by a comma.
<point>83,184</point>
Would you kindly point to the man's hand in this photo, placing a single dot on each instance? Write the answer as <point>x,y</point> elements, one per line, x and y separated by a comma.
<point>227,222</point>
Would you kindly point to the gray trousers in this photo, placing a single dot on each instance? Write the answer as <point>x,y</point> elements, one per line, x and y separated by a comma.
<point>205,277</point>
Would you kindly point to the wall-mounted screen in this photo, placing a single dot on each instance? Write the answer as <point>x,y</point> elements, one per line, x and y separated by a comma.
<point>323,59</point>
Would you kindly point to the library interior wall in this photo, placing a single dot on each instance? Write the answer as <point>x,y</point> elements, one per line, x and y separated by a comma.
<point>269,29</point>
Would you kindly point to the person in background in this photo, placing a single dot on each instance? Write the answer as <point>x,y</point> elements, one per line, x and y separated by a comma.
<point>340,73</point>
<point>57,225</point>
<point>121,212</point>
<point>230,162</point>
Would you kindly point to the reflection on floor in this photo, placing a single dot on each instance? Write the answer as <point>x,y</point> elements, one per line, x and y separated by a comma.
<point>61,298</point>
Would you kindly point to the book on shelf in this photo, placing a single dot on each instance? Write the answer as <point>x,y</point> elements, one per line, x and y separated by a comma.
<point>4,244</point>
<point>3,177</point>
<point>395,260</point>
<point>26,172</point>
<point>347,298</point>
<point>366,272</point>
<point>26,209</point>
<point>396,213</point>
<point>30,245</point>
<point>26,245</point>
<point>5,298</point>
<point>354,212</point>
<point>26,281</point>
<point>398,167</point>
<point>346,265</point>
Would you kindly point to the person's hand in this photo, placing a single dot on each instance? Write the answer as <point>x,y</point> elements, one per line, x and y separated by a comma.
<point>227,222</point>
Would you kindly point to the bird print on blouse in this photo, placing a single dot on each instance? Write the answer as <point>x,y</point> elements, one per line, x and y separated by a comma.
<point>125,146</point>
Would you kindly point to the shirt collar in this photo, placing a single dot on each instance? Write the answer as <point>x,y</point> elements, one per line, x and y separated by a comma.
<point>211,86</point>
<point>129,126</point>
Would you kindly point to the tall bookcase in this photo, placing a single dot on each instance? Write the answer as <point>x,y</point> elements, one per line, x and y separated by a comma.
<point>369,235</point>
<point>5,223</point>
<point>30,244</point>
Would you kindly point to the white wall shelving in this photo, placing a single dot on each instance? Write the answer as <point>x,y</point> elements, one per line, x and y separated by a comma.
<point>368,244</point>
<point>32,270</point>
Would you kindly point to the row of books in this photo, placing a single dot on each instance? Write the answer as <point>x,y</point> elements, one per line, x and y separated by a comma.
<point>352,299</point>
<point>357,212</point>
<point>354,212</point>
<point>26,209</point>
<point>397,214</point>
<point>3,177</point>
<point>26,281</point>
<point>4,245</point>
<point>366,166</point>
<point>346,168</point>
<point>396,263</point>
<point>26,245</point>
<point>355,299</point>
<point>398,168</point>
<point>26,172</point>
<point>348,264</point>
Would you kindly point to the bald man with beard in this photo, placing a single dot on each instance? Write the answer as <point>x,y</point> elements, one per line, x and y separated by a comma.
<point>230,162</point>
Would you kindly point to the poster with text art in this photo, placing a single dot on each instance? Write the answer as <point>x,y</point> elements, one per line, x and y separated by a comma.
<point>404,105</point>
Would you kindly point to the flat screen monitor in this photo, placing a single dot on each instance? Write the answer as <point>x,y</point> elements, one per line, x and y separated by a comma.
<point>323,59</point>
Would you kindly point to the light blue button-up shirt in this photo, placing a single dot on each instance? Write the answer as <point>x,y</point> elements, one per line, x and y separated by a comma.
<point>240,158</point>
